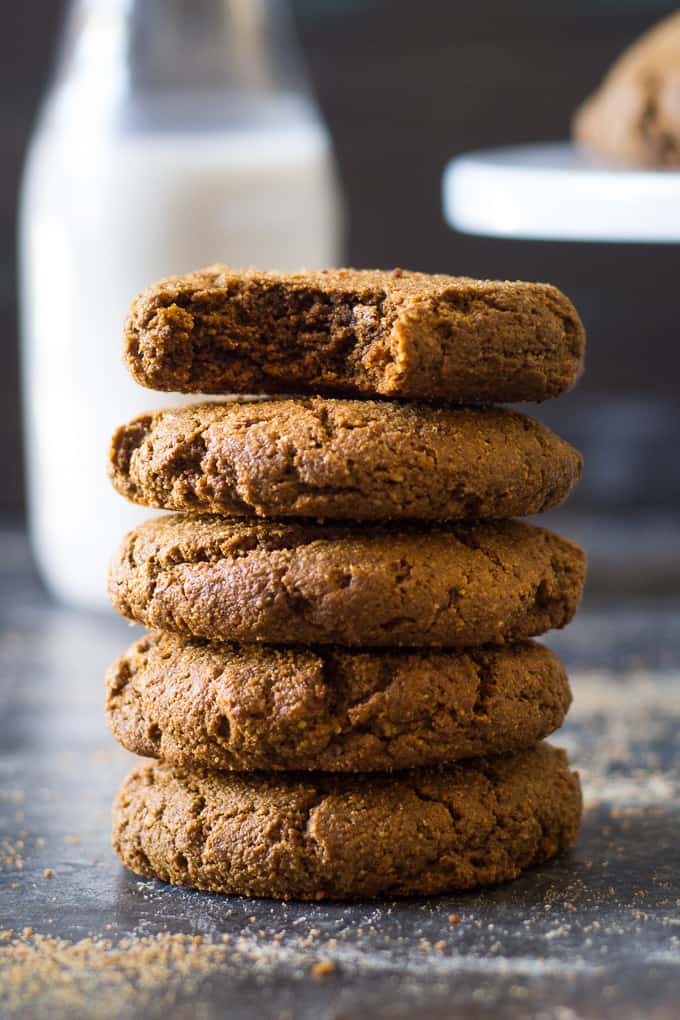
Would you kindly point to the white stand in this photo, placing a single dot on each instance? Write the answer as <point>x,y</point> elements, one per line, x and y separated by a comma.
<point>556,192</point>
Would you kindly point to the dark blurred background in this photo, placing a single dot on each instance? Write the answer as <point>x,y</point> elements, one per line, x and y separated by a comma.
<point>404,86</point>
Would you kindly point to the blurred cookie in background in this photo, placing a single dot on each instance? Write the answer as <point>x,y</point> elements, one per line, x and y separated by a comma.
<point>634,116</point>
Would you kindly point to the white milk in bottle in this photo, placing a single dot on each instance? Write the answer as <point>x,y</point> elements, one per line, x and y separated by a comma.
<point>176,134</point>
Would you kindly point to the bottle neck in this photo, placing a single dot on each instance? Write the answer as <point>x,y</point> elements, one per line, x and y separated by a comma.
<point>231,45</point>
<point>234,45</point>
<point>163,63</point>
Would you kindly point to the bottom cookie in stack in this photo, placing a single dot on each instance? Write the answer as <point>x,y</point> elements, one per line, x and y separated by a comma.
<point>315,836</point>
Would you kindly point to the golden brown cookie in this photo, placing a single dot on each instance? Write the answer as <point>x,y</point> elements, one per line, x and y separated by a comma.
<point>342,459</point>
<point>292,583</point>
<point>244,707</point>
<point>320,836</point>
<point>355,332</point>
<point>634,116</point>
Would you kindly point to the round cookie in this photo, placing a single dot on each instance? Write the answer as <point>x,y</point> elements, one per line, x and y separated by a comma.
<point>342,459</point>
<point>293,583</point>
<point>255,707</point>
<point>323,836</point>
<point>634,115</point>
<point>354,332</point>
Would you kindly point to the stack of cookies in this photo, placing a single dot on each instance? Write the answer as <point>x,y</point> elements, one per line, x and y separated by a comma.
<point>340,692</point>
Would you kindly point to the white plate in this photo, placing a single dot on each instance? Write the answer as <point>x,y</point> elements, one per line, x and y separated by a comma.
<point>557,192</point>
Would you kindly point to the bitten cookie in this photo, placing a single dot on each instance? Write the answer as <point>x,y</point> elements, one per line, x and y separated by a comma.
<point>293,583</point>
<point>314,837</point>
<point>634,116</point>
<point>355,332</point>
<point>342,459</point>
<point>248,707</point>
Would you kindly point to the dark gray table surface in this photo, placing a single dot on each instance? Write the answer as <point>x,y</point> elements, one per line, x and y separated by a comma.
<point>594,934</point>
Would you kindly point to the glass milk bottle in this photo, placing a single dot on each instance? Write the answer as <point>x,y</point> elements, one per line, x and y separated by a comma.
<point>176,133</point>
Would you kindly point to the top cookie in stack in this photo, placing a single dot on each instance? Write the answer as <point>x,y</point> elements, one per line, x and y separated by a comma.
<point>373,531</point>
<point>356,332</point>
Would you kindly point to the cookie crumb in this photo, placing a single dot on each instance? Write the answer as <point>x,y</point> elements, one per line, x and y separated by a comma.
<point>48,873</point>
<point>322,968</point>
<point>454,919</point>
